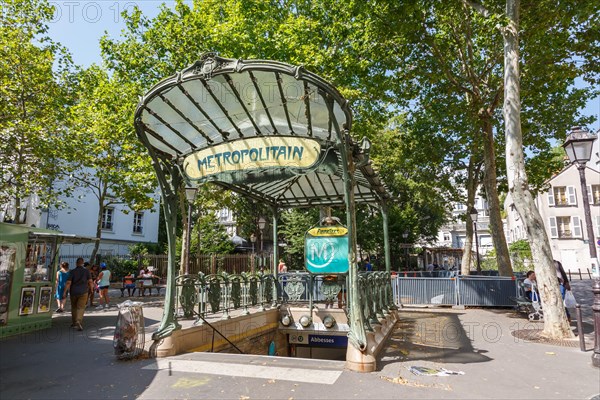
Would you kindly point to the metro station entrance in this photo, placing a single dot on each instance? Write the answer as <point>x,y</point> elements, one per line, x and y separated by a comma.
<point>279,135</point>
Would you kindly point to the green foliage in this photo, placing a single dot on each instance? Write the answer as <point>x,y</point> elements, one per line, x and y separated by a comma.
<point>419,180</point>
<point>247,212</point>
<point>146,248</point>
<point>520,253</point>
<point>120,267</point>
<point>522,246</point>
<point>208,236</point>
<point>109,161</point>
<point>35,91</point>
<point>294,224</point>
<point>443,59</point>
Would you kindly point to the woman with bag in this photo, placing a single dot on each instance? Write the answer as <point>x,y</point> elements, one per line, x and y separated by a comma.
<point>563,281</point>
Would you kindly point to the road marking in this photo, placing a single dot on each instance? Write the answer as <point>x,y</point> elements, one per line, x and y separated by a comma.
<point>326,377</point>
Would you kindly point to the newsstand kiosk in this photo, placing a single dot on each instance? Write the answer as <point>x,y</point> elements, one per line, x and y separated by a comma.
<point>28,264</point>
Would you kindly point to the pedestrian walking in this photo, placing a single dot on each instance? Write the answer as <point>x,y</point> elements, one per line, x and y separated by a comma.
<point>103,282</point>
<point>78,284</point>
<point>94,272</point>
<point>61,280</point>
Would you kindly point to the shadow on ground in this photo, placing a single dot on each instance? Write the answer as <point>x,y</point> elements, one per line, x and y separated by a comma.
<point>436,337</point>
<point>62,363</point>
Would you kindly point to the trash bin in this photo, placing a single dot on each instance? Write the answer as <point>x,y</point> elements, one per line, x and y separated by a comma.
<point>129,338</point>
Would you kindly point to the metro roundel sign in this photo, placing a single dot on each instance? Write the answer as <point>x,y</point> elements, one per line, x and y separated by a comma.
<point>326,250</point>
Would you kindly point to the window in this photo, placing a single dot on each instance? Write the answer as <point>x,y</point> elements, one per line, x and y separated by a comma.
<point>224,214</point>
<point>108,216</point>
<point>598,225</point>
<point>562,196</point>
<point>138,218</point>
<point>594,194</point>
<point>446,236</point>
<point>565,227</point>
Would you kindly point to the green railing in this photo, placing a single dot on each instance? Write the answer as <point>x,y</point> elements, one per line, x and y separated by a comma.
<point>200,295</point>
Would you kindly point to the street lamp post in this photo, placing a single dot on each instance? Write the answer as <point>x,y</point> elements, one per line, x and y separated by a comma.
<point>253,240</point>
<point>474,214</point>
<point>190,195</point>
<point>578,147</point>
<point>262,222</point>
<point>405,236</point>
<point>252,260</point>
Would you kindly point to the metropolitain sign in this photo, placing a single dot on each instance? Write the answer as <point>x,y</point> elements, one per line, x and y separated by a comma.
<point>252,154</point>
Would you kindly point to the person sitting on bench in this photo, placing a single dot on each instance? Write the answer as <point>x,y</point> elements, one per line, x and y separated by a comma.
<point>146,281</point>
<point>530,287</point>
<point>128,283</point>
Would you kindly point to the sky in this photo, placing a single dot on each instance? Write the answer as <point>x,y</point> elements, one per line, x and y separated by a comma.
<point>78,25</point>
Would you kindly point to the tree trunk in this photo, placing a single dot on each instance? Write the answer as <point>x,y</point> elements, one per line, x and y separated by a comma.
<point>490,182</point>
<point>472,183</point>
<point>101,206</point>
<point>556,325</point>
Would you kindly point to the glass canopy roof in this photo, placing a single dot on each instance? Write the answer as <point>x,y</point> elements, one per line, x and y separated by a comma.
<point>261,112</point>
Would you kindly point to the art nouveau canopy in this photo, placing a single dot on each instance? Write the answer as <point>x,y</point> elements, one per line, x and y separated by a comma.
<point>268,130</point>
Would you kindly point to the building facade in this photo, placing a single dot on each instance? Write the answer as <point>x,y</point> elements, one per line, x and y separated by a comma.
<point>121,226</point>
<point>561,208</point>
<point>453,234</point>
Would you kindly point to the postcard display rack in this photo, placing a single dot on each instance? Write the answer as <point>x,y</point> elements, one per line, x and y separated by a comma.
<point>27,275</point>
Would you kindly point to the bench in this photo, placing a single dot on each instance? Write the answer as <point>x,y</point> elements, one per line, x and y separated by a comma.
<point>525,305</point>
<point>156,284</point>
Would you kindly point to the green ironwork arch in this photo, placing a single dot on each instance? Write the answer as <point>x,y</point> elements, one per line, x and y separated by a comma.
<point>265,129</point>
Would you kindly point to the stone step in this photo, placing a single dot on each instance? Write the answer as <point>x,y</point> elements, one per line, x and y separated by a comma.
<point>253,366</point>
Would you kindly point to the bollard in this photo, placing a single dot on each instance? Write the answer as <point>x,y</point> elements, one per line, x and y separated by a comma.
<point>580,327</point>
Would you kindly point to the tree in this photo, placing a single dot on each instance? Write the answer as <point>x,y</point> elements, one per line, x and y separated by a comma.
<point>420,175</point>
<point>208,236</point>
<point>294,224</point>
<point>452,75</point>
<point>555,321</point>
<point>108,160</point>
<point>35,92</point>
<point>445,61</point>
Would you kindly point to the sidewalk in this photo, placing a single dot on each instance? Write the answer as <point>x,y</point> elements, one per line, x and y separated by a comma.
<point>60,363</point>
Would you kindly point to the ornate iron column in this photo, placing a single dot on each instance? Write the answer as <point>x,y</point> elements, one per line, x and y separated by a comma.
<point>275,255</point>
<point>386,238</point>
<point>170,181</point>
<point>356,336</point>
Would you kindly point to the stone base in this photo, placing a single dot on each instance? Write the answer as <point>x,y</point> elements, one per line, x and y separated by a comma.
<point>366,361</point>
<point>246,332</point>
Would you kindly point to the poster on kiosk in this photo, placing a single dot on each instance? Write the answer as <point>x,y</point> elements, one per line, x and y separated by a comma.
<point>326,250</point>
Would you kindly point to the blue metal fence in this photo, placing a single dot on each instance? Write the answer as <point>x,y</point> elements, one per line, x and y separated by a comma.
<point>482,291</point>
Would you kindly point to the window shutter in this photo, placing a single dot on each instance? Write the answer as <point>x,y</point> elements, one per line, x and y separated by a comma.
<point>576,225</point>
<point>590,194</point>
<point>571,199</point>
<point>551,196</point>
<point>553,228</point>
